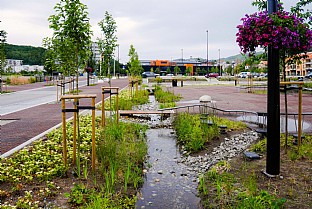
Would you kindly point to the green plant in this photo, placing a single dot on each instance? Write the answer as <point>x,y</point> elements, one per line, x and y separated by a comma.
<point>78,195</point>
<point>32,80</point>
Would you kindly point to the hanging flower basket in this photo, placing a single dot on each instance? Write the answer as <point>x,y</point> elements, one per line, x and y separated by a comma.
<point>280,30</point>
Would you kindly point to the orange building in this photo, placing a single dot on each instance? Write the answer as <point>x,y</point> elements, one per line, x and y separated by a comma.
<point>302,68</point>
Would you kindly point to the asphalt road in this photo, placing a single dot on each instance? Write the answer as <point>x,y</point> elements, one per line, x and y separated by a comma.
<point>21,100</point>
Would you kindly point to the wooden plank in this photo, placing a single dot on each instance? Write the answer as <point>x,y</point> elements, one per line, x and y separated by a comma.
<point>78,96</point>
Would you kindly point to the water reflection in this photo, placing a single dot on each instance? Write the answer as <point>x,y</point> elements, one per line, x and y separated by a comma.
<point>292,123</point>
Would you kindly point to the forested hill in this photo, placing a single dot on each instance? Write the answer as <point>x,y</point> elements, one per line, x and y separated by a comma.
<point>29,54</point>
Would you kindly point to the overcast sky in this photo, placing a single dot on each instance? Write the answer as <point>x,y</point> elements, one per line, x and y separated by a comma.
<point>158,29</point>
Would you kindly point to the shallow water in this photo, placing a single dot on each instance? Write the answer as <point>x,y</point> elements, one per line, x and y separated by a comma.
<point>167,184</point>
<point>292,123</point>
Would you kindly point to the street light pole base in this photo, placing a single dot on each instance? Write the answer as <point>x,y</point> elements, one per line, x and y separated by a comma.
<point>269,175</point>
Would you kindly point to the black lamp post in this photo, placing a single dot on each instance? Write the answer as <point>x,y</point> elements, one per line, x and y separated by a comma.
<point>273,106</point>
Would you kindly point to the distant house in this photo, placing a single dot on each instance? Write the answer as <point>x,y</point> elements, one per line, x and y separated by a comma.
<point>17,66</point>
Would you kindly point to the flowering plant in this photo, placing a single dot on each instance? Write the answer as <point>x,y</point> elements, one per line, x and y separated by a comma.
<point>281,30</point>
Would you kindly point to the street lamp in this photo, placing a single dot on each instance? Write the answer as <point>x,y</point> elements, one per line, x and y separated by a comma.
<point>207,54</point>
<point>219,64</point>
<point>182,56</point>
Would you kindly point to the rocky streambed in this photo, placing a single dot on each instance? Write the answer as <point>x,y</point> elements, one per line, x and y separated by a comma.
<point>171,175</point>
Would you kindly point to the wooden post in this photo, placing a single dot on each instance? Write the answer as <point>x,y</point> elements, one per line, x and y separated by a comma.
<point>93,135</point>
<point>103,109</point>
<point>64,132</point>
<point>75,132</point>
<point>57,98</point>
<point>136,87</point>
<point>300,115</point>
<point>117,106</point>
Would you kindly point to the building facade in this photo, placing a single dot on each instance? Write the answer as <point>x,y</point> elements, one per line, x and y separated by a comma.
<point>301,68</point>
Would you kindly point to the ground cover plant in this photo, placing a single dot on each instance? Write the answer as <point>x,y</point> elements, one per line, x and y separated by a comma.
<point>36,176</point>
<point>240,183</point>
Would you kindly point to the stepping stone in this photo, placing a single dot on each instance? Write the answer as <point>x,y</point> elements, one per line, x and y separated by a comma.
<point>252,155</point>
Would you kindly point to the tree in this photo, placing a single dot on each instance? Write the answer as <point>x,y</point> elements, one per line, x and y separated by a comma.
<point>3,35</point>
<point>108,44</point>
<point>176,70</point>
<point>134,64</point>
<point>72,35</point>
<point>168,70</point>
<point>188,70</point>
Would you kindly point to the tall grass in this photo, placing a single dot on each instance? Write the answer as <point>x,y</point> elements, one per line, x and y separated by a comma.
<point>165,96</point>
<point>121,153</point>
<point>221,189</point>
<point>126,101</point>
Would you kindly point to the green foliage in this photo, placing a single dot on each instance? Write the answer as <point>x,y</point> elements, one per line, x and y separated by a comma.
<point>71,37</point>
<point>29,54</point>
<point>158,80</point>
<point>32,80</point>
<point>126,101</point>
<point>189,132</point>
<point>134,64</point>
<point>122,151</point>
<point>167,105</point>
<point>176,70</point>
<point>78,195</point>
<point>108,44</point>
<point>224,190</point>
<point>165,96</point>
<point>260,146</point>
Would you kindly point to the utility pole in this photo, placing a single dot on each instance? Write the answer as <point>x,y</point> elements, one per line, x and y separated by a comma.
<point>273,106</point>
<point>207,55</point>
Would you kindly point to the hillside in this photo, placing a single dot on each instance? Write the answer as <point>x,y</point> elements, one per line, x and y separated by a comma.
<point>29,54</point>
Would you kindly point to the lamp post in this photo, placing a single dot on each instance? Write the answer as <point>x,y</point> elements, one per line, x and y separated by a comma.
<point>273,106</point>
<point>207,55</point>
<point>182,56</point>
<point>219,64</point>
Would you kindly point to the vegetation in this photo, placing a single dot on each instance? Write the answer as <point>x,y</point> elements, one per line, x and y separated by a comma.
<point>193,132</point>
<point>134,65</point>
<point>221,189</point>
<point>32,173</point>
<point>108,44</point>
<point>126,101</point>
<point>72,36</point>
<point>165,98</point>
<point>239,183</point>
<point>29,54</point>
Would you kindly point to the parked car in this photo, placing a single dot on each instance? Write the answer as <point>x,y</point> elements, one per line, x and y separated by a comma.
<point>212,75</point>
<point>148,75</point>
<point>309,75</point>
<point>243,74</point>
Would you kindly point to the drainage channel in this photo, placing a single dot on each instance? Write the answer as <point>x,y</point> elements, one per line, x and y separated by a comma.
<point>167,183</point>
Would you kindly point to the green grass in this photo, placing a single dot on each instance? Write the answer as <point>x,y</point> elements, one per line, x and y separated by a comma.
<point>220,189</point>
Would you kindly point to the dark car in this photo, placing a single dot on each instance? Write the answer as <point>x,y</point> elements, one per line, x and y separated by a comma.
<point>212,75</point>
<point>148,74</point>
<point>309,75</point>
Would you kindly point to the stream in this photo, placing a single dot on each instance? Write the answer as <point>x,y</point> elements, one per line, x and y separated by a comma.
<point>167,184</point>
